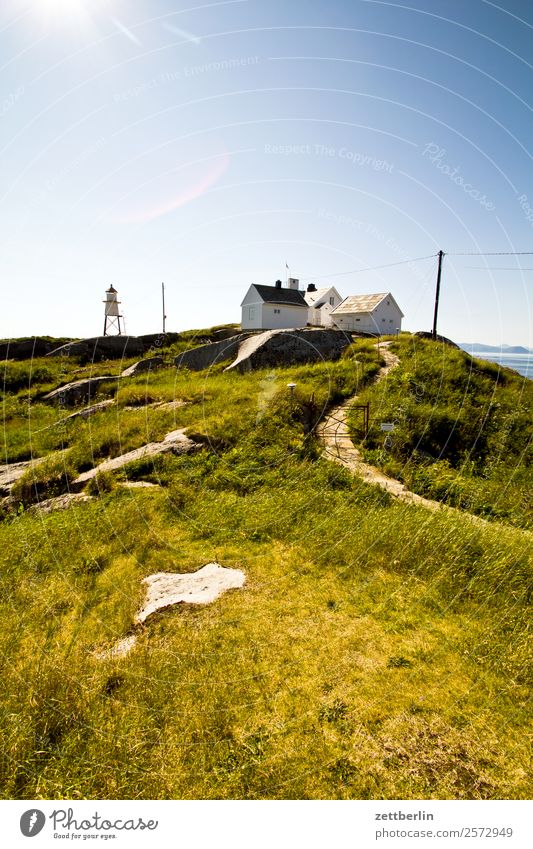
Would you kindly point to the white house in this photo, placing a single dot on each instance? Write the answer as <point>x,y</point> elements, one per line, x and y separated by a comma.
<point>274,307</point>
<point>376,314</point>
<point>321,303</point>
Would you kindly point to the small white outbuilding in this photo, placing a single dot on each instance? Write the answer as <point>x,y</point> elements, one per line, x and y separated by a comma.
<point>273,307</point>
<point>376,314</point>
<point>321,303</point>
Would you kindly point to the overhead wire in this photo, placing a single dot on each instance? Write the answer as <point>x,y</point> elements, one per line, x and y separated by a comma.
<point>368,268</point>
<point>493,268</point>
<point>493,253</point>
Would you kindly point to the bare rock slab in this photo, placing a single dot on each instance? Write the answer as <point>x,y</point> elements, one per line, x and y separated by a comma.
<point>149,364</point>
<point>176,441</point>
<point>60,502</point>
<point>77,392</point>
<point>208,355</point>
<point>287,347</point>
<point>10,473</point>
<point>90,411</point>
<point>165,589</point>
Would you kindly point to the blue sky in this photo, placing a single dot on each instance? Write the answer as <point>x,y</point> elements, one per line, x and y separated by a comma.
<point>206,144</point>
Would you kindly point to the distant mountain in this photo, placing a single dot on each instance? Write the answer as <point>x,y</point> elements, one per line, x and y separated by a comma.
<point>472,347</point>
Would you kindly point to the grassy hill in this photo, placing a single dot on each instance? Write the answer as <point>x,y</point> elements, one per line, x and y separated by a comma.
<point>463,432</point>
<point>377,650</point>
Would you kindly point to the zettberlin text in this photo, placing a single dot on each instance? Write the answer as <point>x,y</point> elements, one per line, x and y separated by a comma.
<point>399,815</point>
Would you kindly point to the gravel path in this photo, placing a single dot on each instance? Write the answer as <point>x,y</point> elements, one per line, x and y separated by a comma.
<point>338,447</point>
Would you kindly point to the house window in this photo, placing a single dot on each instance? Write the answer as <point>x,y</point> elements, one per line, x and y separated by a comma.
<point>331,301</point>
<point>390,320</point>
<point>277,311</point>
<point>383,319</point>
<point>388,303</point>
<point>251,313</point>
<point>358,319</point>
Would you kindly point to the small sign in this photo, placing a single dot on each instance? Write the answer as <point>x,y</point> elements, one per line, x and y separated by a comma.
<point>387,426</point>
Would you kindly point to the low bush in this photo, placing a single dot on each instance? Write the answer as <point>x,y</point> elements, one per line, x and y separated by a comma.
<point>102,482</point>
<point>45,479</point>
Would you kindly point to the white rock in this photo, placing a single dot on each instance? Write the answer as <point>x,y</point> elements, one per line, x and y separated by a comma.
<point>168,588</point>
<point>202,587</point>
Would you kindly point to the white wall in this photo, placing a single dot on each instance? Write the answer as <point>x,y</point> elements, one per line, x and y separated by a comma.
<point>387,317</point>
<point>251,316</point>
<point>319,316</point>
<point>356,323</point>
<point>286,316</point>
<point>256,315</point>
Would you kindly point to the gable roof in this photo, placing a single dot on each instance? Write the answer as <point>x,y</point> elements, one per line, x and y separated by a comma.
<point>362,303</point>
<point>316,299</point>
<point>273,295</point>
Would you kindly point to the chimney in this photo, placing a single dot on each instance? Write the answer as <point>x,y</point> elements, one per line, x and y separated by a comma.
<point>278,284</point>
<point>311,287</point>
<point>293,283</point>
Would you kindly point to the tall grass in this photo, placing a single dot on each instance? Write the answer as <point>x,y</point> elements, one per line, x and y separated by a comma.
<point>462,430</point>
<point>376,650</point>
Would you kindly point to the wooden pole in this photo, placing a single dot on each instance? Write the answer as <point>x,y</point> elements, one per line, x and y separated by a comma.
<point>437,295</point>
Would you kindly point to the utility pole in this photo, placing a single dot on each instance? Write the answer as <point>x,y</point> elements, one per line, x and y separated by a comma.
<point>437,295</point>
<point>163,296</point>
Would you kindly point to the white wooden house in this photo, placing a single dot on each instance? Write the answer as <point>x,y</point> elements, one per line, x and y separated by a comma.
<point>376,314</point>
<point>274,307</point>
<point>321,303</point>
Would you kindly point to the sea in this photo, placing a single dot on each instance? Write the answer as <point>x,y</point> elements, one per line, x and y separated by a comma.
<point>522,363</point>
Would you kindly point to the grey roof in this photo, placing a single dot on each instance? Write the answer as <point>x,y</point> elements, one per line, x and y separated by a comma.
<point>273,295</point>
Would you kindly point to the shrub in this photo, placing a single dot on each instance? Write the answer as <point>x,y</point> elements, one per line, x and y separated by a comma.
<point>44,479</point>
<point>101,483</point>
<point>16,376</point>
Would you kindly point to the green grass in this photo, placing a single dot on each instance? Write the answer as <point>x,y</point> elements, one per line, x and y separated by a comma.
<point>377,650</point>
<point>462,430</point>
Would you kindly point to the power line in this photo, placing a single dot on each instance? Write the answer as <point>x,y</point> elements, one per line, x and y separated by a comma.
<point>495,253</point>
<point>369,268</point>
<point>493,268</point>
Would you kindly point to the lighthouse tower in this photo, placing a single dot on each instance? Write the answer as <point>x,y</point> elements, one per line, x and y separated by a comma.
<point>112,314</point>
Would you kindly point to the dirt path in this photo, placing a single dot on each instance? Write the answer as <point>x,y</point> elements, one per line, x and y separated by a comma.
<point>338,446</point>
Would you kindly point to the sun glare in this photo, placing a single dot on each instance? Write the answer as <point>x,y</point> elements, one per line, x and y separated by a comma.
<point>68,11</point>
<point>65,6</point>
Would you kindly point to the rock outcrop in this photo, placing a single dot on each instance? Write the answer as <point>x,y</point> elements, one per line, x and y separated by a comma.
<point>114,347</point>
<point>286,347</point>
<point>77,392</point>
<point>101,348</point>
<point>28,348</point>
<point>426,334</point>
<point>204,356</point>
<point>149,364</point>
<point>176,441</point>
<point>10,473</point>
<point>166,589</point>
<point>60,502</point>
<point>87,412</point>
